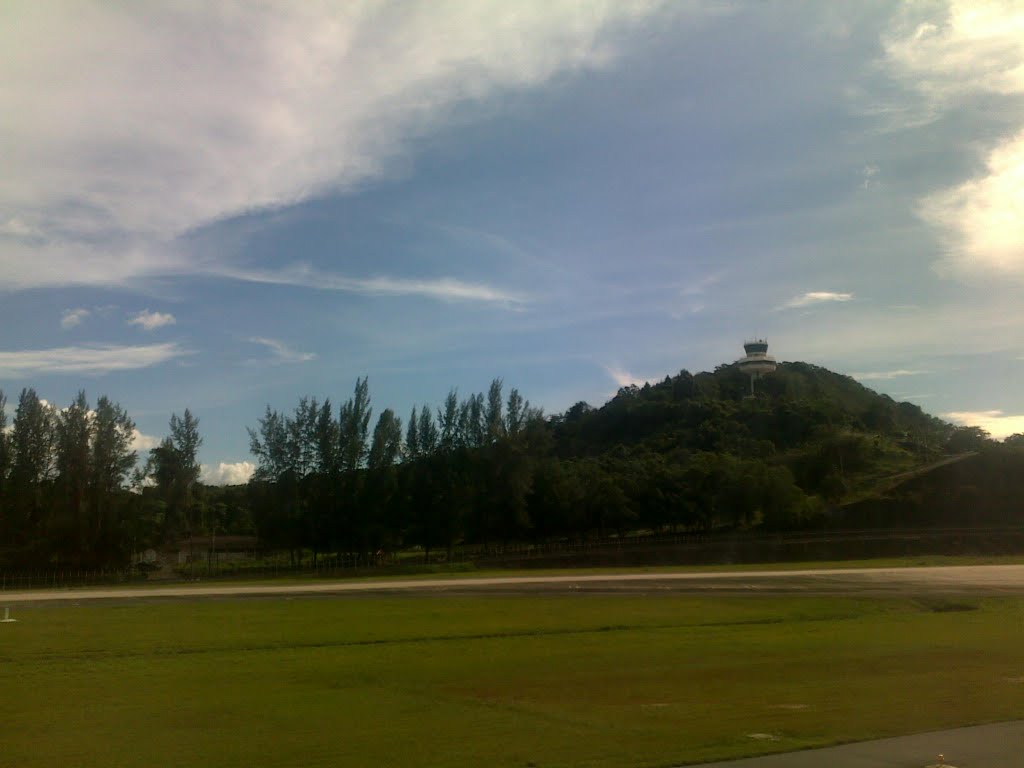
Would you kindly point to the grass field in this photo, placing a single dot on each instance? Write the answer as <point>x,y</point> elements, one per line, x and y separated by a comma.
<point>587,680</point>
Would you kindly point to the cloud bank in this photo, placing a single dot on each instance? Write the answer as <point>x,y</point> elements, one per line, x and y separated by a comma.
<point>996,423</point>
<point>948,54</point>
<point>198,112</point>
<point>235,473</point>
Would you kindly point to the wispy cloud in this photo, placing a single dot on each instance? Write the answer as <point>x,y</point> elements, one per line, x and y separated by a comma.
<point>996,423</point>
<point>701,284</point>
<point>89,359</point>
<point>72,318</point>
<point>320,98</point>
<point>227,473</point>
<point>815,297</point>
<point>443,289</point>
<point>867,175</point>
<point>886,375</point>
<point>151,320</point>
<point>281,353</point>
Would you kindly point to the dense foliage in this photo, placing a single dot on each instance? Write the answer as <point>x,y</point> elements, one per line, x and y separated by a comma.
<point>693,452</point>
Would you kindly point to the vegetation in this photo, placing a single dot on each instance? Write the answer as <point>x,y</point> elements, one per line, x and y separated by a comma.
<point>613,681</point>
<point>814,448</point>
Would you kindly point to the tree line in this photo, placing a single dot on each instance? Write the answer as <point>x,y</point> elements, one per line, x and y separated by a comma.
<point>71,488</point>
<point>691,452</point>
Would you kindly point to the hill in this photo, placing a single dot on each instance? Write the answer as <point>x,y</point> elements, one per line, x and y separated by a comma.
<point>819,440</point>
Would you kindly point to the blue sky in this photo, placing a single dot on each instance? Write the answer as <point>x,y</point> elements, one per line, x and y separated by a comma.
<point>219,206</point>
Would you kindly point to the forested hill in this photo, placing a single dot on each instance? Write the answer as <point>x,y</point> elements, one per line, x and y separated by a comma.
<point>797,406</point>
<point>808,442</point>
<point>693,452</point>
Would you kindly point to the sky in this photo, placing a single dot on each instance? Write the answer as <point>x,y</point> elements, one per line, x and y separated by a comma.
<point>223,206</point>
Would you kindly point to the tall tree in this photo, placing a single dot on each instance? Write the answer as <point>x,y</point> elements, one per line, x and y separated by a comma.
<point>353,427</point>
<point>448,421</point>
<point>5,468</point>
<point>111,463</point>
<point>428,434</point>
<point>175,468</point>
<point>32,463</point>
<point>412,437</point>
<point>516,411</point>
<point>74,429</point>
<point>492,416</point>
<point>387,441</point>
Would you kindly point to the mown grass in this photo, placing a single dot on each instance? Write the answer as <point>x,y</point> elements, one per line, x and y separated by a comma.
<point>586,680</point>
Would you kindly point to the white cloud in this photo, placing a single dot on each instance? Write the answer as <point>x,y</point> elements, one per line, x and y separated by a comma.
<point>624,378</point>
<point>71,318</point>
<point>815,297</point>
<point>91,359</point>
<point>946,53</point>
<point>281,352</point>
<point>445,288</point>
<point>946,50</point>
<point>886,375</point>
<point>996,423</point>
<point>867,174</point>
<point>224,473</point>
<point>141,442</point>
<point>152,320</point>
<point>197,112</point>
<point>982,220</point>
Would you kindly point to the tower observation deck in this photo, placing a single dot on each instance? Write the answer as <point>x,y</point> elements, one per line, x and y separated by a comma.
<point>757,361</point>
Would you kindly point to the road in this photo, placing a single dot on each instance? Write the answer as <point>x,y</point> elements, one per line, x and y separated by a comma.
<point>973,579</point>
<point>999,745</point>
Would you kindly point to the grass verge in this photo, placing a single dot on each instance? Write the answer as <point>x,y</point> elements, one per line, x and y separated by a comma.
<point>582,680</point>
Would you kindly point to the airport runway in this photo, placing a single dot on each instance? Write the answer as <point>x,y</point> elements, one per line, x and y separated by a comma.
<point>1000,745</point>
<point>974,579</point>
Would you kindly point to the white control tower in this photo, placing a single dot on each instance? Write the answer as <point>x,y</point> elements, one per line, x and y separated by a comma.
<point>757,361</point>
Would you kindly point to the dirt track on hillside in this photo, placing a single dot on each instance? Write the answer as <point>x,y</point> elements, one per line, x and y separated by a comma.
<point>976,579</point>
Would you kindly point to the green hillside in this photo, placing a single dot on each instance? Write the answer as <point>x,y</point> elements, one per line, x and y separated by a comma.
<point>818,438</point>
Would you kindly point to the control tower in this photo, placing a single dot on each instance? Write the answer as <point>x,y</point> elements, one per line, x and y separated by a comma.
<point>757,361</point>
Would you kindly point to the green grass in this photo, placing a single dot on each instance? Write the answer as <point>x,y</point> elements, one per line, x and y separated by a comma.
<point>499,681</point>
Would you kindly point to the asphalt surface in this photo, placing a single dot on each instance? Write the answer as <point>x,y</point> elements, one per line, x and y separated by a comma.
<point>973,579</point>
<point>1000,745</point>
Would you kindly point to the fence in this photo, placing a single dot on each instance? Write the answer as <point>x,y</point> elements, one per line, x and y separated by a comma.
<point>656,549</point>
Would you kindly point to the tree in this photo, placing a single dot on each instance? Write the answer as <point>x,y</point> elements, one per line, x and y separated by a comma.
<point>516,411</point>
<point>5,468</point>
<point>32,465</point>
<point>353,427</point>
<point>175,468</point>
<point>448,419</point>
<point>427,430</point>
<point>111,463</point>
<point>74,428</point>
<point>412,437</point>
<point>387,441</point>
<point>492,416</point>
